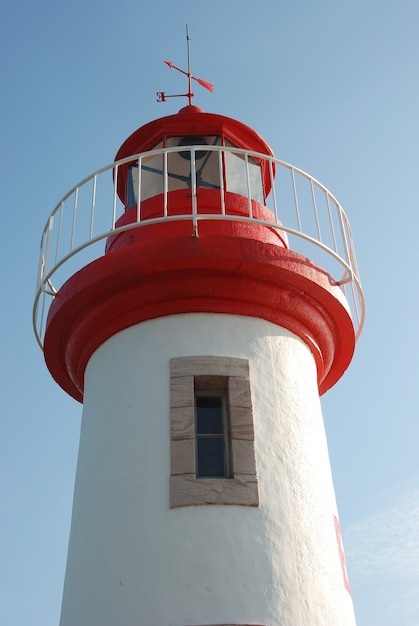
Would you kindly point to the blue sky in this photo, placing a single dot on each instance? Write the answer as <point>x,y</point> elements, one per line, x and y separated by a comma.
<point>333,88</point>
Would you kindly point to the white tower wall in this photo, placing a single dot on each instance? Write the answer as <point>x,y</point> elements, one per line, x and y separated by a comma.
<point>133,561</point>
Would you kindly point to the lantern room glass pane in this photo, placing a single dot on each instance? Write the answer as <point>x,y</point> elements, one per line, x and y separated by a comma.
<point>151,177</point>
<point>236,175</point>
<point>206,162</point>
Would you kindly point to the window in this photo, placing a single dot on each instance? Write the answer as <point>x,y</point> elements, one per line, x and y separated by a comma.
<point>211,432</point>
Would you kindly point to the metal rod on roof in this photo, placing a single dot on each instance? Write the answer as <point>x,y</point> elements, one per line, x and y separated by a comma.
<point>188,39</point>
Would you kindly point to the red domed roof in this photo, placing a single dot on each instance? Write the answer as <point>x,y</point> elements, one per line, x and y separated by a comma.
<point>192,121</point>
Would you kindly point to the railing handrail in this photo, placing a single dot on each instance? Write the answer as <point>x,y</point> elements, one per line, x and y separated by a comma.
<point>342,251</point>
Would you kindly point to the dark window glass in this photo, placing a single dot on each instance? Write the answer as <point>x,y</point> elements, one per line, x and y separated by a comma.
<point>209,416</point>
<point>211,432</point>
<point>210,457</point>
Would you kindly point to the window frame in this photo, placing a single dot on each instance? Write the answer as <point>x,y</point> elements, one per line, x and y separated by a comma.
<point>188,374</point>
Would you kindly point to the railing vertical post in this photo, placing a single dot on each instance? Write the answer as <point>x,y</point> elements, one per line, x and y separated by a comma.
<point>193,185</point>
<point>138,190</point>
<point>221,174</point>
<point>42,316</point>
<point>92,211</point>
<point>344,238</point>
<point>45,268</point>
<point>57,246</point>
<point>355,302</point>
<point>73,223</point>
<point>115,195</point>
<point>297,210</point>
<point>41,265</point>
<point>332,227</point>
<point>165,183</point>
<point>48,244</point>
<point>316,215</point>
<point>272,180</point>
<point>249,192</point>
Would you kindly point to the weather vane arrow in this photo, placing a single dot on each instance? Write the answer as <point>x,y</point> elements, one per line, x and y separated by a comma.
<point>161,95</point>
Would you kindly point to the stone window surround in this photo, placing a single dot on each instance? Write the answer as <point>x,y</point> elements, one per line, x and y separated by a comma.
<point>211,372</point>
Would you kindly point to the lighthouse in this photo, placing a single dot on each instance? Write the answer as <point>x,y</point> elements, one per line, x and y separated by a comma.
<point>198,296</point>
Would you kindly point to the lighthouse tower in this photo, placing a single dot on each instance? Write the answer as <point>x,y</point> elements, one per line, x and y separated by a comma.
<point>179,301</point>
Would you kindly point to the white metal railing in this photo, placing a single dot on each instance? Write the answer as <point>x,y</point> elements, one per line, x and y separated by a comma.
<point>316,224</point>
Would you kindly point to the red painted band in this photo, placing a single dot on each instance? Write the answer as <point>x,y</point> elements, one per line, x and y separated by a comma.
<point>179,203</point>
<point>215,273</point>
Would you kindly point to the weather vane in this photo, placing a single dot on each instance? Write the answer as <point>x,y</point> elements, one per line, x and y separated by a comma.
<point>161,95</point>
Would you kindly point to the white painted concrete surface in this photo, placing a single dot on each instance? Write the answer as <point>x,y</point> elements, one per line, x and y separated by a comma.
<point>135,562</point>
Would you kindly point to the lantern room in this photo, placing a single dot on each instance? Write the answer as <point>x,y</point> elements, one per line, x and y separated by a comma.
<point>194,162</point>
<point>192,127</point>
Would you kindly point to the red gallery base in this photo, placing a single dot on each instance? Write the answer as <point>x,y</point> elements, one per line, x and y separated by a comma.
<point>218,272</point>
